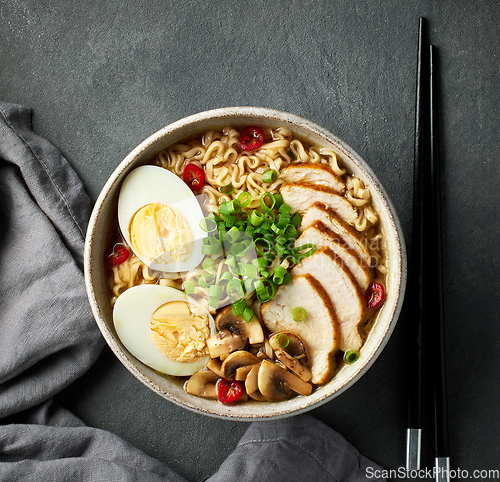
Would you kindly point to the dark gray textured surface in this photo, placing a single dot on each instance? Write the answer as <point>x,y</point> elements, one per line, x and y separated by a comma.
<point>101,77</point>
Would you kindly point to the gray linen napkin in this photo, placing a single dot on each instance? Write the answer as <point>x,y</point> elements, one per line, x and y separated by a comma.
<point>48,338</point>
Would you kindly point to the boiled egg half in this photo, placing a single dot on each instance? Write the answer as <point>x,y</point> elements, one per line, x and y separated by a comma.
<point>164,328</point>
<point>159,217</point>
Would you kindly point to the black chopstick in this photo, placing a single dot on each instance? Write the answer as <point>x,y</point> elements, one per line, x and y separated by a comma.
<point>416,268</point>
<point>426,274</point>
<point>442,460</point>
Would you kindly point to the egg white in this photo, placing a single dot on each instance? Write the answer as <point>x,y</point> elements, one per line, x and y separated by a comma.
<point>150,184</point>
<point>131,317</point>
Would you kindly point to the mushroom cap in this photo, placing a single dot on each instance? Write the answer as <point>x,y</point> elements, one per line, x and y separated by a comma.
<point>252,385</point>
<point>293,355</point>
<point>236,360</point>
<point>249,331</point>
<point>276,383</point>
<point>202,384</point>
<point>225,342</point>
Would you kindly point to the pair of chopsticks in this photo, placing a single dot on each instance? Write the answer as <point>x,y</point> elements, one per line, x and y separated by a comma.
<point>426,277</point>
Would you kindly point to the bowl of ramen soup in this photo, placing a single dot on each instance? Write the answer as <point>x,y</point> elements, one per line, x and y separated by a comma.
<point>245,263</point>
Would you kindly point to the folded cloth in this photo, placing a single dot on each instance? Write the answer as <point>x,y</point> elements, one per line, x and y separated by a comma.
<point>49,338</point>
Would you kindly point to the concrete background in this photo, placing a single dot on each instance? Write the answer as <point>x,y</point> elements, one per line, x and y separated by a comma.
<point>102,76</point>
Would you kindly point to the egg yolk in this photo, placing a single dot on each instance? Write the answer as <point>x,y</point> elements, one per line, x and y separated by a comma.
<point>180,331</point>
<point>161,234</point>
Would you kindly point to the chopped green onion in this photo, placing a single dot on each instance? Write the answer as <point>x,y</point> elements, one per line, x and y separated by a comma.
<point>233,234</point>
<point>281,250</point>
<point>239,307</point>
<point>262,246</point>
<point>279,274</point>
<point>189,287</point>
<point>228,189</point>
<point>269,176</point>
<point>292,155</point>
<point>278,198</point>
<point>206,280</point>
<point>282,340</point>
<point>248,314</point>
<point>229,207</point>
<point>225,277</point>
<point>215,290</point>
<point>210,249</point>
<point>208,225</point>
<point>351,357</point>
<point>283,220</point>
<point>263,202</point>
<point>270,216</point>
<point>244,198</point>
<point>285,209</point>
<point>239,249</point>
<point>230,261</point>
<point>291,231</point>
<point>229,220</point>
<point>299,313</point>
<point>208,264</point>
<point>282,239</point>
<point>296,219</point>
<point>256,218</point>
<point>248,270</point>
<point>249,284</point>
<point>265,290</point>
<point>235,290</point>
<point>213,302</point>
<point>311,249</point>
<point>287,279</point>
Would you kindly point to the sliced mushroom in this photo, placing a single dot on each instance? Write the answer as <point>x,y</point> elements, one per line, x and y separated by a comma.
<point>233,333</point>
<point>252,385</point>
<point>291,350</point>
<point>250,331</point>
<point>202,384</point>
<point>236,360</point>
<point>242,372</point>
<point>223,343</point>
<point>276,383</point>
<point>215,364</point>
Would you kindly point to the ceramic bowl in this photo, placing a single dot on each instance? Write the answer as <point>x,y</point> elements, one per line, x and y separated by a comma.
<point>170,388</point>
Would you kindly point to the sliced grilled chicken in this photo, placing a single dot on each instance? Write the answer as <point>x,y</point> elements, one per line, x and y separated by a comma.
<point>301,195</point>
<point>343,291</point>
<point>315,173</point>
<point>320,212</point>
<point>319,330</point>
<point>321,236</point>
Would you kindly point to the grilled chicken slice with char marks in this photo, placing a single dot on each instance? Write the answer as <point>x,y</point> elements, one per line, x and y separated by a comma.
<point>301,195</point>
<point>320,212</point>
<point>343,291</point>
<point>314,173</point>
<point>321,236</point>
<point>319,329</point>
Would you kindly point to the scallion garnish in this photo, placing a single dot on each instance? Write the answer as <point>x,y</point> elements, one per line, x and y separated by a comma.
<point>282,340</point>
<point>239,307</point>
<point>189,287</point>
<point>208,264</point>
<point>248,314</point>
<point>228,189</point>
<point>206,280</point>
<point>266,198</point>
<point>269,176</point>
<point>351,357</point>
<point>244,198</point>
<point>299,314</point>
